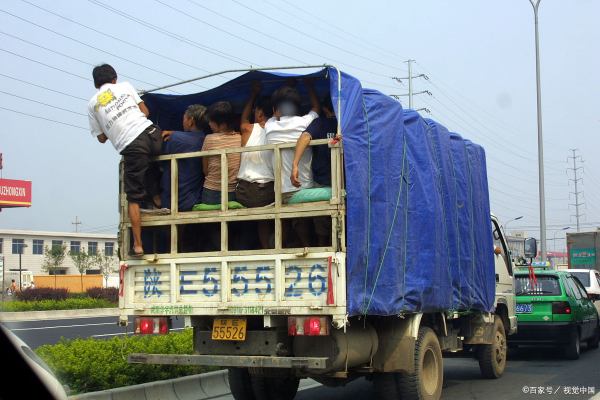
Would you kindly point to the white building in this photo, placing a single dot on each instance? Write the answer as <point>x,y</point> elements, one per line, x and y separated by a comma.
<point>31,245</point>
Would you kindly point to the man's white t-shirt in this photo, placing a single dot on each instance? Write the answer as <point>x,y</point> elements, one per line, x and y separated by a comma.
<point>288,130</point>
<point>114,111</point>
<point>256,166</point>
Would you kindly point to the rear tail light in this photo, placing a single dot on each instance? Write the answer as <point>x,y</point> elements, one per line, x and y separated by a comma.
<point>308,326</point>
<point>151,325</point>
<point>561,307</point>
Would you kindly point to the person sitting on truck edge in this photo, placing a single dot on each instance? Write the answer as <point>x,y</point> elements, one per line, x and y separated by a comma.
<point>255,186</point>
<point>220,120</point>
<point>324,127</point>
<point>191,176</point>
<point>286,126</point>
<point>117,113</point>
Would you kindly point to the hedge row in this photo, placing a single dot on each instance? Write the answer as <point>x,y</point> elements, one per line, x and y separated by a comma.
<point>109,294</point>
<point>88,365</point>
<point>47,305</point>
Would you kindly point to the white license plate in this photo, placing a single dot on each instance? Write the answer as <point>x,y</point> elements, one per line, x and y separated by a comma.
<point>524,308</point>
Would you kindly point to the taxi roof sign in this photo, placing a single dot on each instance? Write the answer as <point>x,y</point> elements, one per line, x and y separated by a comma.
<point>541,264</point>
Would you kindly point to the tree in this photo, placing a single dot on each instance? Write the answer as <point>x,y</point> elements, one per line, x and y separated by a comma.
<point>83,261</point>
<point>106,265</point>
<point>53,259</point>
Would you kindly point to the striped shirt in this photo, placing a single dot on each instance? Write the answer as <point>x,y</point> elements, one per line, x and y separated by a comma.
<point>221,141</point>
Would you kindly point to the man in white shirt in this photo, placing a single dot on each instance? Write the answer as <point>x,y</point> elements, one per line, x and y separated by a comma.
<point>286,126</point>
<point>118,114</point>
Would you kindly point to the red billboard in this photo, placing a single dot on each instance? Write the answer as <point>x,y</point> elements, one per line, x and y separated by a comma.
<point>15,193</point>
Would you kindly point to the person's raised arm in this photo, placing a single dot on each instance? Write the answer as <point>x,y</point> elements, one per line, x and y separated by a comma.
<point>301,146</point>
<point>245,123</point>
<point>312,95</point>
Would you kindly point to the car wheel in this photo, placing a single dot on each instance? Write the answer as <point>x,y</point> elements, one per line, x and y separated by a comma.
<point>573,348</point>
<point>595,340</point>
<point>492,357</point>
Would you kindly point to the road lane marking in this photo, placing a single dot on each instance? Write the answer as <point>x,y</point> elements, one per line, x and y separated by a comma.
<point>128,333</point>
<point>62,326</point>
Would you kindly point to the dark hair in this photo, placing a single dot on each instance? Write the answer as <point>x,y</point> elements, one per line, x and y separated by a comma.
<point>220,112</point>
<point>103,74</point>
<point>264,104</point>
<point>196,112</point>
<point>286,94</point>
<point>326,103</point>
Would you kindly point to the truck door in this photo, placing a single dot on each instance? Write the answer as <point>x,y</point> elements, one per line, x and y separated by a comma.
<point>504,279</point>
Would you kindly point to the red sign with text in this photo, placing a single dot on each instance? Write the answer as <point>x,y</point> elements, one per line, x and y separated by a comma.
<point>15,193</point>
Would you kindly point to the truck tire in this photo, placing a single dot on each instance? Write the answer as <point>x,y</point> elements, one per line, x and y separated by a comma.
<point>573,348</point>
<point>492,357</point>
<point>425,383</point>
<point>274,388</point>
<point>595,339</point>
<point>240,384</point>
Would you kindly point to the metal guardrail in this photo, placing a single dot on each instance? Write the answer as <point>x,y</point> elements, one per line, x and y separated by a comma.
<point>195,387</point>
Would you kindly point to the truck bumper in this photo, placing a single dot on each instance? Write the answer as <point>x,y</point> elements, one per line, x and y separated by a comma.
<point>230,361</point>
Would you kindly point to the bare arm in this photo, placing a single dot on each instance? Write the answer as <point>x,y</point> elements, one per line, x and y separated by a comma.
<point>245,124</point>
<point>144,109</point>
<point>102,138</point>
<point>301,146</point>
<point>205,165</point>
<point>312,94</point>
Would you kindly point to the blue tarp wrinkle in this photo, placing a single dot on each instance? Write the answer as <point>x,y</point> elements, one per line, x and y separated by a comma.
<point>418,220</point>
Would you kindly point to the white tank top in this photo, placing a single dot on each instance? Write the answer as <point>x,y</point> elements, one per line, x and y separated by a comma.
<point>256,166</point>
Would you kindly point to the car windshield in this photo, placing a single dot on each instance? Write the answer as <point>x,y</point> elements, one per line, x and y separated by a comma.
<point>542,285</point>
<point>584,277</point>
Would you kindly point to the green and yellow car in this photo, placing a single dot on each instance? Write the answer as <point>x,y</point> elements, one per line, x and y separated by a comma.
<point>553,308</point>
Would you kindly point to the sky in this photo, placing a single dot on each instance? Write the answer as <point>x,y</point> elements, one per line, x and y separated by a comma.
<point>478,56</point>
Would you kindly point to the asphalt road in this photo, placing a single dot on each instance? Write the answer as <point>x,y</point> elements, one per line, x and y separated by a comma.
<point>527,368</point>
<point>37,333</point>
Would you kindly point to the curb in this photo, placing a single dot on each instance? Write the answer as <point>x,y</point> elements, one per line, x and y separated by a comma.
<point>194,387</point>
<point>58,314</point>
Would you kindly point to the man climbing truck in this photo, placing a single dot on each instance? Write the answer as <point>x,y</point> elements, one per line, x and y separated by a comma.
<point>414,266</point>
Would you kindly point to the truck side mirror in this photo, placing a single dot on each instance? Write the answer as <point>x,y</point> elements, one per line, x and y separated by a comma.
<point>530,248</point>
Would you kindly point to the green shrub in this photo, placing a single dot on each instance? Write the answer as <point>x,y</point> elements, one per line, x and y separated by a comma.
<point>88,365</point>
<point>47,305</point>
<point>109,293</point>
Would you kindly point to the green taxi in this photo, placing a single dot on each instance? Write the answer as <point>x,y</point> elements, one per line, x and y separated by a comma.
<point>553,308</point>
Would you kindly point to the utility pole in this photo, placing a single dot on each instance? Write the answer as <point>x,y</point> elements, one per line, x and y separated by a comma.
<point>76,223</point>
<point>410,78</point>
<point>576,180</point>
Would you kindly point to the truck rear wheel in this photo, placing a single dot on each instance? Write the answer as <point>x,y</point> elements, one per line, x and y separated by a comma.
<point>274,388</point>
<point>425,383</point>
<point>240,384</point>
<point>492,357</point>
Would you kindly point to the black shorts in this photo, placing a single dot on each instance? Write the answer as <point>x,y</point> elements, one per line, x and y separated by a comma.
<point>141,175</point>
<point>254,194</point>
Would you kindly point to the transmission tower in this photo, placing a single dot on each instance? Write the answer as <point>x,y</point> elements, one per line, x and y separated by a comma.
<point>576,181</point>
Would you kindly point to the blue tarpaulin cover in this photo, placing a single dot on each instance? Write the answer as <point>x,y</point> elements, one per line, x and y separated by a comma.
<point>419,235</point>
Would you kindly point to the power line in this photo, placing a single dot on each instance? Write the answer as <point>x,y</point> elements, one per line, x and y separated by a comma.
<point>42,87</point>
<point>304,33</point>
<point>370,45</point>
<point>44,118</point>
<point>46,65</point>
<point>106,34</point>
<point>42,103</point>
<point>230,33</point>
<point>81,43</point>
<point>165,32</point>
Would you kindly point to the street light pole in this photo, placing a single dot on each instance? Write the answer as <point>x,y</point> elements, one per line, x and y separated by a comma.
<point>558,230</point>
<point>536,4</point>
<point>509,221</point>
<point>20,270</point>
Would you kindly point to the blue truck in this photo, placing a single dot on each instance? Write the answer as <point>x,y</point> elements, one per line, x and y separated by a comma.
<point>415,265</point>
